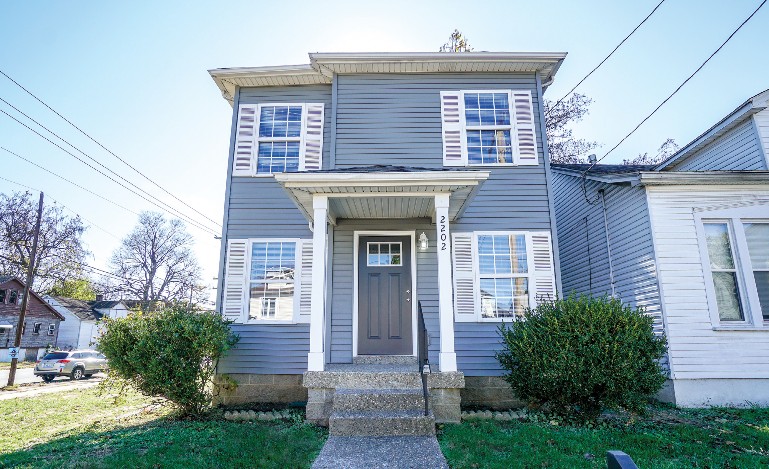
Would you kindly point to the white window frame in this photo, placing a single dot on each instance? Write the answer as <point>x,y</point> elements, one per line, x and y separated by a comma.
<point>465,127</point>
<point>258,139</point>
<point>247,319</point>
<point>529,275</point>
<point>51,329</point>
<point>734,219</point>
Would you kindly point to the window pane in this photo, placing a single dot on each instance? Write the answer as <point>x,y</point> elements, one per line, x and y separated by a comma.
<point>273,261</point>
<point>272,301</point>
<point>727,296</point>
<point>762,285</point>
<point>757,236</point>
<point>719,247</point>
<point>504,297</point>
<point>277,157</point>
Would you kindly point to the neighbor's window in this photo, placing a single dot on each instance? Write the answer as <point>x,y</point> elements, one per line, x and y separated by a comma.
<point>757,238</point>
<point>36,327</point>
<point>12,297</point>
<point>51,329</point>
<point>3,294</point>
<point>503,275</point>
<point>271,281</point>
<point>280,136</point>
<point>384,254</point>
<point>724,272</point>
<point>488,128</point>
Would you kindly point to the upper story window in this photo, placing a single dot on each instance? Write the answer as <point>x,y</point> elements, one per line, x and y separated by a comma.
<point>3,294</point>
<point>13,296</point>
<point>278,137</point>
<point>734,245</point>
<point>489,128</point>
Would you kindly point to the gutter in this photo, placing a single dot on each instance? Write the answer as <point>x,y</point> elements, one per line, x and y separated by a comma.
<point>670,178</point>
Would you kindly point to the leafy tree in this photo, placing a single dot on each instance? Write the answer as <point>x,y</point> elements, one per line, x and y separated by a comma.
<point>457,43</point>
<point>156,261</point>
<point>562,145</point>
<point>78,288</point>
<point>60,250</point>
<point>667,149</point>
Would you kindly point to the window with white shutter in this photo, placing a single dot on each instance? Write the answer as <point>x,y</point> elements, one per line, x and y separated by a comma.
<point>276,138</point>
<point>488,128</point>
<point>498,275</point>
<point>267,281</point>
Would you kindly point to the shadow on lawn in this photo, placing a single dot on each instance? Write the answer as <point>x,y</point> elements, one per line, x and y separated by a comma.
<point>167,443</point>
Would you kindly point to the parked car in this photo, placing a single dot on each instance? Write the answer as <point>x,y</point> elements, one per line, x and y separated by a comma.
<point>76,364</point>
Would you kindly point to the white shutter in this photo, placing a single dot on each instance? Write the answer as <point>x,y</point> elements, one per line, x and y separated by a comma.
<point>525,151</point>
<point>305,281</point>
<point>244,162</point>
<point>543,270</point>
<point>312,141</point>
<point>452,119</point>
<point>464,277</point>
<point>236,270</point>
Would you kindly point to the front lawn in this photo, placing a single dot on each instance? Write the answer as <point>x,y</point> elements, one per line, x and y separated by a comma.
<point>666,438</point>
<point>85,429</point>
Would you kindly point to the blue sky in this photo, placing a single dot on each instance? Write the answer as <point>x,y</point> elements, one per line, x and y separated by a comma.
<point>134,76</point>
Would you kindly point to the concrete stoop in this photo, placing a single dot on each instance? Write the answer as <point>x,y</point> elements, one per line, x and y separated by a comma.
<point>381,396</point>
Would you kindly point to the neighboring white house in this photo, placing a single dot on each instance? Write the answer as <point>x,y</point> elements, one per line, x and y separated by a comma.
<point>81,328</point>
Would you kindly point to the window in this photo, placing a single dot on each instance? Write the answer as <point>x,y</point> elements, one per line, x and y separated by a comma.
<point>12,297</point>
<point>277,138</point>
<point>757,239</point>
<point>503,275</point>
<point>723,271</point>
<point>36,327</point>
<point>3,294</point>
<point>51,329</point>
<point>488,127</point>
<point>384,254</point>
<point>271,281</point>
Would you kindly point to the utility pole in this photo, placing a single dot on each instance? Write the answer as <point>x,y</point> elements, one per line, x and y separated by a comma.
<point>27,287</point>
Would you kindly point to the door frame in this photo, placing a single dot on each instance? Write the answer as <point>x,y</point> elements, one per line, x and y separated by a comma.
<point>414,295</point>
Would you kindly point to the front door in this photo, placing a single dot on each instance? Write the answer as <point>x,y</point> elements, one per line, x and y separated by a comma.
<point>384,296</point>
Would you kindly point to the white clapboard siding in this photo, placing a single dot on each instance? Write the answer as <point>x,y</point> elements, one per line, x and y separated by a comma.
<point>543,268</point>
<point>236,269</point>
<point>245,141</point>
<point>305,282</point>
<point>454,153</point>
<point>464,277</point>
<point>696,350</point>
<point>312,145</point>
<point>762,124</point>
<point>525,151</point>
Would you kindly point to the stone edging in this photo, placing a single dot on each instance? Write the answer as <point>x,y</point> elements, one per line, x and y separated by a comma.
<point>489,415</point>
<point>238,415</point>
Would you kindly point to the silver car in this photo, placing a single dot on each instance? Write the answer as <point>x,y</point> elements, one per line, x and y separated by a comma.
<point>76,364</point>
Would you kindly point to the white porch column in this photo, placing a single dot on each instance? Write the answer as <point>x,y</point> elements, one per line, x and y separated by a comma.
<point>447,357</point>
<point>316,359</point>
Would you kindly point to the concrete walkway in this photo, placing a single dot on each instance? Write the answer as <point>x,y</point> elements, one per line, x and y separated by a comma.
<point>368,452</point>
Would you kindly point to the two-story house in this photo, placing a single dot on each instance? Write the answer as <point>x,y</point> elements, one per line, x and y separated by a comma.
<point>365,190</point>
<point>687,239</point>
<point>40,329</point>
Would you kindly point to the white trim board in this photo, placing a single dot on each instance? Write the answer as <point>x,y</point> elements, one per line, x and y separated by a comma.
<point>414,296</point>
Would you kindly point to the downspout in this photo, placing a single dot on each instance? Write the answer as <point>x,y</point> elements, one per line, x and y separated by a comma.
<point>602,193</point>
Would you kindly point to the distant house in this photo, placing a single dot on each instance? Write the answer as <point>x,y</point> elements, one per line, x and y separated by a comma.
<point>81,329</point>
<point>688,240</point>
<point>41,324</point>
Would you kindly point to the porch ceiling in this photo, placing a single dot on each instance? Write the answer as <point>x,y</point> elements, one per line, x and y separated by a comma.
<point>407,194</point>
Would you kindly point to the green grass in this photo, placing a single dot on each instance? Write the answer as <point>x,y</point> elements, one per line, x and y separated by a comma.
<point>666,438</point>
<point>84,429</point>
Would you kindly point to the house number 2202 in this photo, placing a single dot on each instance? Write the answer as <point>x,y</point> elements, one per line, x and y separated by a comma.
<point>443,230</point>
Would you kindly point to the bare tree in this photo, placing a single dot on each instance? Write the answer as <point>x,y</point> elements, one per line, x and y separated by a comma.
<point>60,251</point>
<point>156,261</point>
<point>664,152</point>
<point>562,145</point>
<point>457,43</point>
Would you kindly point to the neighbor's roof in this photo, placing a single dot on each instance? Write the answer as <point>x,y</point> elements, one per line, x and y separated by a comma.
<point>323,66</point>
<point>6,278</point>
<point>743,112</point>
<point>79,308</point>
<point>103,304</point>
<point>648,175</point>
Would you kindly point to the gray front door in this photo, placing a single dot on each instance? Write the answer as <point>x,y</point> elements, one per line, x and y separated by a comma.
<point>384,296</point>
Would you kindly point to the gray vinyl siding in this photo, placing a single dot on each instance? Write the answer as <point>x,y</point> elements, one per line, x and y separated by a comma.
<point>260,208</point>
<point>738,149</point>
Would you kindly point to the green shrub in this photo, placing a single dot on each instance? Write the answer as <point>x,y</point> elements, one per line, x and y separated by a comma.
<point>170,354</point>
<point>580,355</point>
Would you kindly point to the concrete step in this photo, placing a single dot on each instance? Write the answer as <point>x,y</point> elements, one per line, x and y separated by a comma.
<point>381,423</point>
<point>358,379</point>
<point>386,360</point>
<point>359,400</point>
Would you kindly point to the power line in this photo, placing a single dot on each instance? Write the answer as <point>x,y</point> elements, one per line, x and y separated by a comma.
<point>107,149</point>
<point>168,208</point>
<point>679,86</point>
<point>602,61</point>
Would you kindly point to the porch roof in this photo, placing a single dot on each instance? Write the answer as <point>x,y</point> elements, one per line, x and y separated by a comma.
<point>382,191</point>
